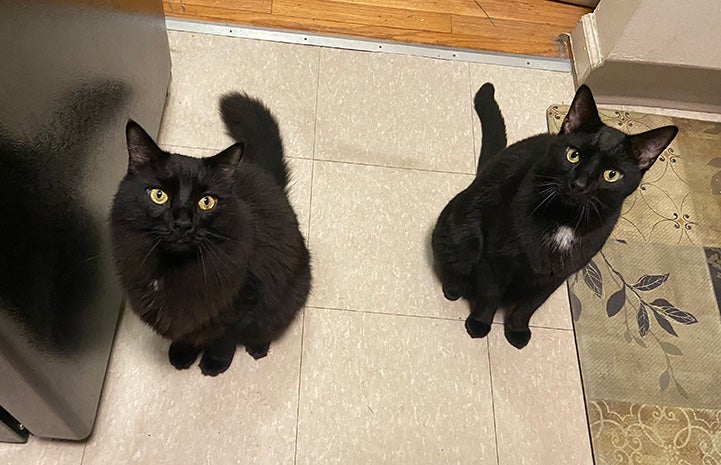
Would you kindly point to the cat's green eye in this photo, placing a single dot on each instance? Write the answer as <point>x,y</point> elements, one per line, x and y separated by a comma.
<point>208,202</point>
<point>158,196</point>
<point>612,175</point>
<point>572,155</point>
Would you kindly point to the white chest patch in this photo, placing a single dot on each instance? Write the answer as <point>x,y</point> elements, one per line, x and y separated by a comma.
<point>564,238</point>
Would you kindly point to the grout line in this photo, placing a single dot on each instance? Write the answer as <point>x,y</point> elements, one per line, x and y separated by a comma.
<point>493,400</point>
<point>310,210</point>
<point>315,116</point>
<point>334,309</point>
<point>584,397</point>
<point>552,328</point>
<point>315,143</point>
<point>376,165</point>
<point>424,317</point>
<point>473,121</point>
<point>300,381</point>
<point>345,162</point>
<point>85,447</point>
<point>215,149</point>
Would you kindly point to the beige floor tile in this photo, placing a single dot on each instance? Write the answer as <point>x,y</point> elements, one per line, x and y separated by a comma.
<point>152,413</point>
<point>555,313</point>
<point>539,407</point>
<point>387,389</point>
<point>42,452</point>
<point>283,76</point>
<point>301,171</point>
<point>524,95</point>
<point>370,238</point>
<point>394,110</point>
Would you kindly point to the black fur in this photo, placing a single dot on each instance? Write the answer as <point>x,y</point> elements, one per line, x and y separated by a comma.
<point>495,244</point>
<point>249,121</point>
<point>493,129</point>
<point>210,280</point>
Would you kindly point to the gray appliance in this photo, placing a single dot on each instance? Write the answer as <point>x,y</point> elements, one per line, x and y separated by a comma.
<point>71,73</point>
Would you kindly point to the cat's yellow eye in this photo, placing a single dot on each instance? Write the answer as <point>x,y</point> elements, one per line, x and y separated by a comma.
<point>572,155</point>
<point>612,175</point>
<point>158,196</point>
<point>208,202</point>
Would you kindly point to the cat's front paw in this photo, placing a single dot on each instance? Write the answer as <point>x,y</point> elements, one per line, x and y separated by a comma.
<point>452,291</point>
<point>477,329</point>
<point>518,338</point>
<point>455,286</point>
<point>259,351</point>
<point>217,357</point>
<point>212,366</point>
<point>182,355</point>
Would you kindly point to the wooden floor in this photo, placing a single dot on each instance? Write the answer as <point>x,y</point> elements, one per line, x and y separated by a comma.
<point>512,26</point>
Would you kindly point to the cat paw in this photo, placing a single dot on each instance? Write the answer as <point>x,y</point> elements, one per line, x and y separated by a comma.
<point>259,351</point>
<point>518,338</point>
<point>182,355</point>
<point>477,329</point>
<point>217,357</point>
<point>212,366</point>
<point>452,291</point>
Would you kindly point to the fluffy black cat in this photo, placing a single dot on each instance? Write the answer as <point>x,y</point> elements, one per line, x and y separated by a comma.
<point>209,250</point>
<point>536,212</point>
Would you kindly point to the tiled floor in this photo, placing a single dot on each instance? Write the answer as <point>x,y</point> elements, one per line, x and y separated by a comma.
<point>379,369</point>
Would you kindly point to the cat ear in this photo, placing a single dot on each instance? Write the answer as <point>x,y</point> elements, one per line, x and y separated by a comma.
<point>648,145</point>
<point>228,158</point>
<point>141,148</point>
<point>583,114</point>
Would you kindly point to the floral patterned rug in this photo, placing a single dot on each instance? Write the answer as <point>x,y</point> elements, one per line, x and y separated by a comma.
<point>646,308</point>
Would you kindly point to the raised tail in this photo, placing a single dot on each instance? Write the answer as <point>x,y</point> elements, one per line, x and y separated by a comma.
<point>249,121</point>
<point>493,127</point>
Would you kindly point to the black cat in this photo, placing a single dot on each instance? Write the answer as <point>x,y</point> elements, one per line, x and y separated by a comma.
<point>209,250</point>
<point>537,211</point>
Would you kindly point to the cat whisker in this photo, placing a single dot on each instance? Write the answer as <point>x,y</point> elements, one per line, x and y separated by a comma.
<point>159,232</point>
<point>545,192</point>
<point>547,199</point>
<point>546,188</point>
<point>587,215</point>
<point>219,273</point>
<point>581,215</point>
<point>202,263</point>
<point>227,256</point>
<point>220,236</point>
<point>142,262</point>
<point>548,184</point>
<point>596,209</point>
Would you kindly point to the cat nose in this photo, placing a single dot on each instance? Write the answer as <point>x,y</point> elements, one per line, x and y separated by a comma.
<point>579,184</point>
<point>183,221</point>
<point>183,224</point>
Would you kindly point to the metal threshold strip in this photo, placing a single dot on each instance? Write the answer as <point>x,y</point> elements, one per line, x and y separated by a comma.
<point>332,41</point>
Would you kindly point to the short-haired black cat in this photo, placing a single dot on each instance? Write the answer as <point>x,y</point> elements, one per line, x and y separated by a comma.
<point>209,250</point>
<point>536,212</point>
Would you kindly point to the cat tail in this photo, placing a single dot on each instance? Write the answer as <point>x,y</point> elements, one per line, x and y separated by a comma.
<point>249,121</point>
<point>493,127</point>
